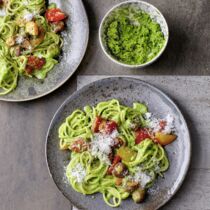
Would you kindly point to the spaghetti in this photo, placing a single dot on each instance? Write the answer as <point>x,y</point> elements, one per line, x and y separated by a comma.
<point>107,155</point>
<point>30,42</point>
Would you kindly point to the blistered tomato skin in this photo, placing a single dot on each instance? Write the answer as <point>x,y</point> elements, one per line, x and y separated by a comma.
<point>55,15</point>
<point>110,127</point>
<point>103,126</point>
<point>116,160</point>
<point>141,134</point>
<point>96,124</point>
<point>34,63</point>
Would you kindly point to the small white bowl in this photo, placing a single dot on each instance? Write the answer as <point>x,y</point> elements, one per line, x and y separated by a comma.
<point>154,13</point>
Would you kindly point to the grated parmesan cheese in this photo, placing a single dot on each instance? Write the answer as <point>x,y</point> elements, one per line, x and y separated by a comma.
<point>114,134</point>
<point>154,124</point>
<point>169,124</point>
<point>19,39</point>
<point>141,177</point>
<point>28,16</point>
<point>148,115</point>
<point>78,172</point>
<point>101,145</point>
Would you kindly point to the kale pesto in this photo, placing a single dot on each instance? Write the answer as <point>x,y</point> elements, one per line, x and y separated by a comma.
<point>132,37</point>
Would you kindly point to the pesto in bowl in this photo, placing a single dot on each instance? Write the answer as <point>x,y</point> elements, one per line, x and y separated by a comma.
<point>131,36</point>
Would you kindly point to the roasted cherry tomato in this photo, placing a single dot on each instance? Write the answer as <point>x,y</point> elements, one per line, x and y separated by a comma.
<point>116,160</point>
<point>34,63</point>
<point>141,134</point>
<point>96,124</point>
<point>29,69</point>
<point>55,15</point>
<point>110,127</point>
<point>79,145</point>
<point>165,139</point>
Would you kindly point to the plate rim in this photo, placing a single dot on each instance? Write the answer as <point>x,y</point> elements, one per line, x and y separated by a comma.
<point>69,76</point>
<point>66,101</point>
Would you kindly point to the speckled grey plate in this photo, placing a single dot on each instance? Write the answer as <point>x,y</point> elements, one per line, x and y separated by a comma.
<point>75,44</point>
<point>127,90</point>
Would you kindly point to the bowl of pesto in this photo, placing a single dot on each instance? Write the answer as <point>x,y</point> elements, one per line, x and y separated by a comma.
<point>133,34</point>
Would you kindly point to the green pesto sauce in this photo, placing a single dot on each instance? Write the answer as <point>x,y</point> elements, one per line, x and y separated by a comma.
<point>132,37</point>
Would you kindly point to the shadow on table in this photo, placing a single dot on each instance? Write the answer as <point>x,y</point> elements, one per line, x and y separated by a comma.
<point>176,49</point>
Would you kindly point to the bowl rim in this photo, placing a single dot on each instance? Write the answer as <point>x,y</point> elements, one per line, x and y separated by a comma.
<point>130,65</point>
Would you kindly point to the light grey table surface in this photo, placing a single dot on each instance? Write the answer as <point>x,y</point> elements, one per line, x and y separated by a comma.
<point>24,180</point>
